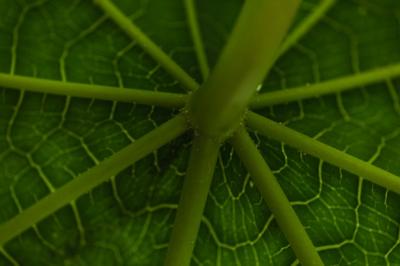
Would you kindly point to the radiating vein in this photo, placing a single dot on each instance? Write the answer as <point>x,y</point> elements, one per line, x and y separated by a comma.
<point>323,151</point>
<point>305,25</point>
<point>326,87</point>
<point>195,190</point>
<point>275,199</point>
<point>164,99</point>
<point>147,44</point>
<point>92,178</point>
<point>196,37</point>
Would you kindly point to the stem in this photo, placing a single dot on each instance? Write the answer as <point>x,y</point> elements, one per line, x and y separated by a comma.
<point>163,99</point>
<point>193,199</point>
<point>92,178</point>
<point>326,87</point>
<point>247,57</point>
<point>147,44</point>
<point>275,198</point>
<point>327,153</point>
<point>305,25</point>
<point>196,37</point>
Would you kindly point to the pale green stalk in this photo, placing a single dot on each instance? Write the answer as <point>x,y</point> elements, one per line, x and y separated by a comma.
<point>331,86</point>
<point>193,199</point>
<point>196,37</point>
<point>311,146</point>
<point>147,44</point>
<point>275,199</point>
<point>92,178</point>
<point>164,99</point>
<point>216,108</point>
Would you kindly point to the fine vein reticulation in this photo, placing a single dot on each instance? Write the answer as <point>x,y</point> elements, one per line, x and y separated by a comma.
<point>205,150</point>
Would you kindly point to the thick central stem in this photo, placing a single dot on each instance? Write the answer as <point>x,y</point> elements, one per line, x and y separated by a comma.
<point>217,107</point>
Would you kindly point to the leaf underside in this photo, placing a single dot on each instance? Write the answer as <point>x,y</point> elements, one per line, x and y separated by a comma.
<point>47,140</point>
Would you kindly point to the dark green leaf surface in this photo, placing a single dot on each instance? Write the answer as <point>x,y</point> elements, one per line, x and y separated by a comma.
<point>46,140</point>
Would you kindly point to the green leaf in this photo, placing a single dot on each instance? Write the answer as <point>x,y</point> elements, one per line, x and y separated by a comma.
<point>48,140</point>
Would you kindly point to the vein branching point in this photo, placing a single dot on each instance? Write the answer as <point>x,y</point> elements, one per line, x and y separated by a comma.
<point>215,112</point>
<point>216,109</point>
